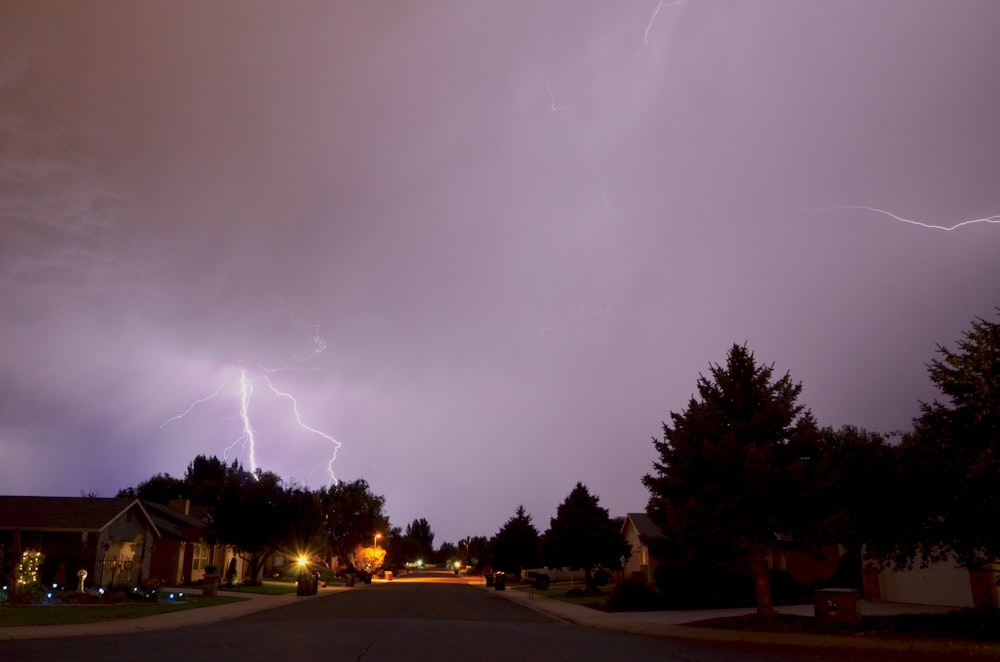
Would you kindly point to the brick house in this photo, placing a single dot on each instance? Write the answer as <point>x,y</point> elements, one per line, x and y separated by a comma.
<point>111,539</point>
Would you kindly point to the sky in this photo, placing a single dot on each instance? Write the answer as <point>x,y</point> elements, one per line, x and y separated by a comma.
<point>474,252</point>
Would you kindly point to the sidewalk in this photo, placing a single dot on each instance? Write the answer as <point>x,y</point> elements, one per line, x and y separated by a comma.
<point>177,619</point>
<point>672,624</point>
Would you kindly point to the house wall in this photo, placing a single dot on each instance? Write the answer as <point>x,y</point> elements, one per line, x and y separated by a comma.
<point>805,568</point>
<point>640,562</point>
<point>167,561</point>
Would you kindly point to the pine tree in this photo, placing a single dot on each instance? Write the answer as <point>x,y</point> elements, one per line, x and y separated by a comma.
<point>732,469</point>
<point>583,536</point>
<point>516,545</point>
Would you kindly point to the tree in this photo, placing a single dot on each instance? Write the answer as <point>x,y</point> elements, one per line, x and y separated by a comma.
<point>582,536</point>
<point>419,532</point>
<point>733,469</point>
<point>858,501</point>
<point>957,443</point>
<point>516,545</point>
<point>367,559</point>
<point>161,488</point>
<point>353,515</point>
<point>253,515</point>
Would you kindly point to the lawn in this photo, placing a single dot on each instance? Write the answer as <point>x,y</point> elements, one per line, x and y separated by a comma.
<point>267,588</point>
<point>11,615</point>
<point>559,593</point>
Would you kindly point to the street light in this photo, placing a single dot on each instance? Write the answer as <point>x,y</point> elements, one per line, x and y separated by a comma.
<point>377,536</point>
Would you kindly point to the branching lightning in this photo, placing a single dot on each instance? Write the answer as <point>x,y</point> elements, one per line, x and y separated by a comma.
<point>298,419</point>
<point>247,438</point>
<point>199,401</point>
<point>947,228</point>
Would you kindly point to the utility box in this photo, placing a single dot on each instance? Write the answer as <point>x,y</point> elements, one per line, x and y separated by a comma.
<point>838,605</point>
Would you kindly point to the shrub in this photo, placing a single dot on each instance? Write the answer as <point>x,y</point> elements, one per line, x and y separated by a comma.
<point>704,587</point>
<point>634,595</point>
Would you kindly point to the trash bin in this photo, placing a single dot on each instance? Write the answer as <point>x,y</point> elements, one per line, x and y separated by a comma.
<point>388,575</point>
<point>837,605</point>
<point>489,578</point>
<point>349,579</point>
<point>500,582</point>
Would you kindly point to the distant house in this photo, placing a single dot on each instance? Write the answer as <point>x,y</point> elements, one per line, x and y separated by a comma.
<point>638,529</point>
<point>941,583</point>
<point>111,539</point>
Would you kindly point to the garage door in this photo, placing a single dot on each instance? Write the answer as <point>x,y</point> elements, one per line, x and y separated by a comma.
<point>937,584</point>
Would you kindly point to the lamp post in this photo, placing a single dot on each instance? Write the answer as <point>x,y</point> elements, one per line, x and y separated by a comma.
<point>377,536</point>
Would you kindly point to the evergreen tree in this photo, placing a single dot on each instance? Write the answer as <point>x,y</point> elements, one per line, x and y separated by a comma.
<point>516,545</point>
<point>583,536</point>
<point>733,468</point>
<point>954,451</point>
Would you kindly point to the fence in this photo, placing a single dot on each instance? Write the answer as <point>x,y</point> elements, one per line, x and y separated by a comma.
<point>117,571</point>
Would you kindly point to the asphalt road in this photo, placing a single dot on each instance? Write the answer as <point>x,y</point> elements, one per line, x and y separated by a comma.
<point>407,621</point>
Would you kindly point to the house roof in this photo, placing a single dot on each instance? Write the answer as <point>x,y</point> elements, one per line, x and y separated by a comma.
<point>174,523</point>
<point>643,525</point>
<point>35,513</point>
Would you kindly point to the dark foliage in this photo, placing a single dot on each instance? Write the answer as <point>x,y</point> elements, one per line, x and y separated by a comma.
<point>583,536</point>
<point>516,545</point>
<point>735,469</point>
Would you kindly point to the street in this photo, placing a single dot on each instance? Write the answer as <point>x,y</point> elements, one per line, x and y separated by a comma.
<point>409,620</point>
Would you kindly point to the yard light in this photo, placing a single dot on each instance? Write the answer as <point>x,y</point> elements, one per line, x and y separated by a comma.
<point>303,561</point>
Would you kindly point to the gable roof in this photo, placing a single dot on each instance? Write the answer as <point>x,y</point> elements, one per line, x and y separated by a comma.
<point>174,523</point>
<point>34,513</point>
<point>643,525</point>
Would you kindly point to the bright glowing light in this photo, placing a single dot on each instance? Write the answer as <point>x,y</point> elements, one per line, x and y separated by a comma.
<point>303,561</point>
<point>875,210</point>
<point>246,390</point>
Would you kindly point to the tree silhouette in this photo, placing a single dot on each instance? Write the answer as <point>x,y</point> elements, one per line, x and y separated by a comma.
<point>732,469</point>
<point>516,545</point>
<point>582,536</point>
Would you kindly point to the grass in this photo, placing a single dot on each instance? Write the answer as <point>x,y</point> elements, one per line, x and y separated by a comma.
<point>266,588</point>
<point>594,601</point>
<point>11,615</point>
<point>964,625</point>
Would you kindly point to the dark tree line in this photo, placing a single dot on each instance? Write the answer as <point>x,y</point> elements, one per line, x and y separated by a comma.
<point>745,464</point>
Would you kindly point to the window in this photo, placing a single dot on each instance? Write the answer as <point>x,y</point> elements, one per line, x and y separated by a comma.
<point>200,557</point>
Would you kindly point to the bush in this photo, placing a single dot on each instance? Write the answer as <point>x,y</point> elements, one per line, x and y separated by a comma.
<point>784,589</point>
<point>634,595</point>
<point>704,587</point>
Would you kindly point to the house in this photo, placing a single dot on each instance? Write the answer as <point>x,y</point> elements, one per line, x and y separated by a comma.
<point>941,583</point>
<point>111,539</point>
<point>804,569</point>
<point>181,554</point>
<point>637,530</point>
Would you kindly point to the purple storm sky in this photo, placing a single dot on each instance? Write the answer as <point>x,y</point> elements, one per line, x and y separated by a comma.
<point>488,246</point>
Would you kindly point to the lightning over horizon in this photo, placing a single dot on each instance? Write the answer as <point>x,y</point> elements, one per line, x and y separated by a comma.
<point>248,434</point>
<point>947,228</point>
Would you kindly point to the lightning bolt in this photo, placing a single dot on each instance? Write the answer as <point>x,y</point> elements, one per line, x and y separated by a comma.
<point>298,419</point>
<point>248,435</point>
<point>319,349</point>
<point>194,404</point>
<point>947,228</point>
